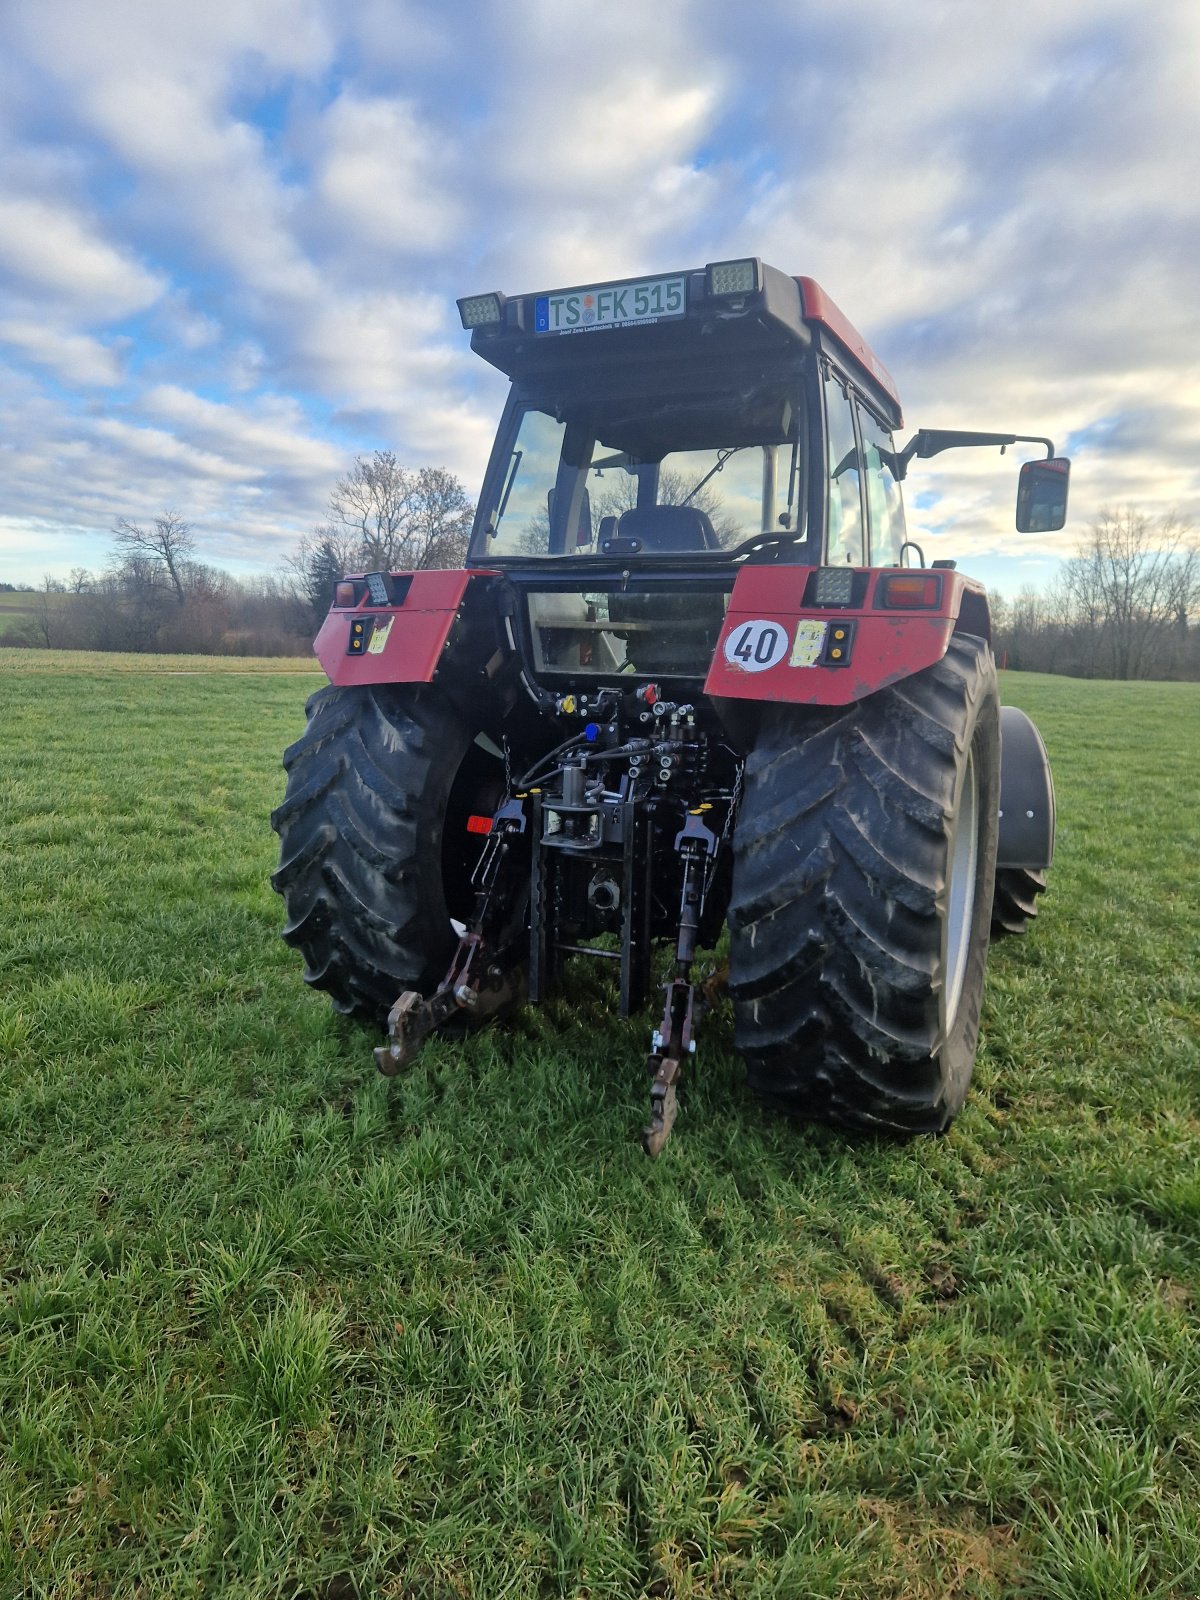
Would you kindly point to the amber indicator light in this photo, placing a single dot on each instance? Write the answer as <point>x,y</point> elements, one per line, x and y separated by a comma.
<point>920,591</point>
<point>839,642</point>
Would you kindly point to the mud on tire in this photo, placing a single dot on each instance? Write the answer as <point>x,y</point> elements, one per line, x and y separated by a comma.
<point>864,860</point>
<point>368,888</point>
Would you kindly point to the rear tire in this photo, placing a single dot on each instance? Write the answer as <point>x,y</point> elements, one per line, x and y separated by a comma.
<point>361,871</point>
<point>1014,904</point>
<point>864,860</point>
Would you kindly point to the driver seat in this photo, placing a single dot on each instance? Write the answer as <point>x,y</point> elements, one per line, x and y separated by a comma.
<point>667,528</point>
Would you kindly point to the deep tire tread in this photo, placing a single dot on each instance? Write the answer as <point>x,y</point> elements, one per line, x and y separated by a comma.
<point>839,897</point>
<point>360,843</point>
<point>1015,903</point>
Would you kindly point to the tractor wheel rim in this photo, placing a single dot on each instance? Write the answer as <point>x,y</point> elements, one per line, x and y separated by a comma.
<point>960,910</point>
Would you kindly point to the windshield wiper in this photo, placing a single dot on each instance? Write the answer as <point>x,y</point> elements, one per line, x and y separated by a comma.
<point>722,457</point>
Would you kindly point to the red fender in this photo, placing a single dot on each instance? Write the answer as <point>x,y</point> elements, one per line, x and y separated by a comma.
<point>774,646</point>
<point>403,643</point>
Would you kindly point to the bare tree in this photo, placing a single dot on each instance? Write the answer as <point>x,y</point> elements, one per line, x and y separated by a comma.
<point>1132,590</point>
<point>439,522</point>
<point>383,517</point>
<point>47,613</point>
<point>371,504</point>
<point>397,518</point>
<point>166,546</point>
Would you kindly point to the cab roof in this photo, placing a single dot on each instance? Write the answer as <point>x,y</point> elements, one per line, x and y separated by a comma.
<point>768,325</point>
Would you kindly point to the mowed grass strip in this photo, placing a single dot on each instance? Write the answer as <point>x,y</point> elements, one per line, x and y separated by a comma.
<point>273,1326</point>
<point>88,665</point>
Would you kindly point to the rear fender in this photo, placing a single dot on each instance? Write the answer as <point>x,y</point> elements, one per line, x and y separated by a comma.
<point>777,646</point>
<point>402,643</point>
<point>1026,795</point>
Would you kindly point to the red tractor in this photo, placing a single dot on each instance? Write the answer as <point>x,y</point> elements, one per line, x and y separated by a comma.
<point>693,674</point>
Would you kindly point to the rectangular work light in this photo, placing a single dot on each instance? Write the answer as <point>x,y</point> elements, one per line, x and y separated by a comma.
<point>481,310</point>
<point>832,586</point>
<point>726,279</point>
<point>377,589</point>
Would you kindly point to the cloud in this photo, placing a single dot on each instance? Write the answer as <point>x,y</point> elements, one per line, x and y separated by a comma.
<point>74,358</point>
<point>267,438</point>
<point>233,234</point>
<point>383,178</point>
<point>152,87</point>
<point>49,250</point>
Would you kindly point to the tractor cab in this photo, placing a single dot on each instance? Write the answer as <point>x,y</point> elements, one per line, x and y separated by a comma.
<point>663,434</point>
<point>706,416</point>
<point>721,415</point>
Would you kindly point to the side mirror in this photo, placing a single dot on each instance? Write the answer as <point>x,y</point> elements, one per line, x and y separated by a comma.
<point>583,529</point>
<point>1042,495</point>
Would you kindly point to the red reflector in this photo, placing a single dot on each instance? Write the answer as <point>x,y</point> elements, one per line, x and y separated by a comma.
<point>921,590</point>
<point>479,824</point>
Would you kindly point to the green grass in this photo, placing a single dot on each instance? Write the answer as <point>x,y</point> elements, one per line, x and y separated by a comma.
<point>273,1326</point>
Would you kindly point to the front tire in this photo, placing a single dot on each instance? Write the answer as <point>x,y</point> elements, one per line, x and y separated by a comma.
<point>1014,904</point>
<point>368,888</point>
<point>864,860</point>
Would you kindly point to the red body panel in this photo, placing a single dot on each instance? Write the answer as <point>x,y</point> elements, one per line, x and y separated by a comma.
<point>887,645</point>
<point>818,307</point>
<point>416,633</point>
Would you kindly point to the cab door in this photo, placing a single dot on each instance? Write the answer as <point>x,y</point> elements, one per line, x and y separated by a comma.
<point>845,542</point>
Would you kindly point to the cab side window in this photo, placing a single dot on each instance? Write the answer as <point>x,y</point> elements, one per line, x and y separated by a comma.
<point>885,506</point>
<point>844,542</point>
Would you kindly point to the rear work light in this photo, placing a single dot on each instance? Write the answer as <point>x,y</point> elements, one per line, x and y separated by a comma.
<point>377,589</point>
<point>481,310</point>
<point>726,279</point>
<point>909,591</point>
<point>833,586</point>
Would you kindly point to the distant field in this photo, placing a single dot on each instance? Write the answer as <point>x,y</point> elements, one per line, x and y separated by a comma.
<point>18,609</point>
<point>91,664</point>
<point>273,1326</point>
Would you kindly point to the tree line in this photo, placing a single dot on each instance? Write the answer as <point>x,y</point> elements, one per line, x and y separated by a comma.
<point>154,595</point>
<point>1126,606</point>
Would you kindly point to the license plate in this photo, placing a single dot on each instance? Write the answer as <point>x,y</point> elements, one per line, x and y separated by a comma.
<point>610,305</point>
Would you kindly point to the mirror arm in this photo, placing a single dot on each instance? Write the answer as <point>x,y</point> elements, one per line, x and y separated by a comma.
<point>928,442</point>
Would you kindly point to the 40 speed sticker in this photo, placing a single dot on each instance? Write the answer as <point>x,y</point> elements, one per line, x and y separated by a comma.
<point>755,646</point>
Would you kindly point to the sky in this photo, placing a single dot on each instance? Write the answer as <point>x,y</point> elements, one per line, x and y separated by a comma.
<point>231,237</point>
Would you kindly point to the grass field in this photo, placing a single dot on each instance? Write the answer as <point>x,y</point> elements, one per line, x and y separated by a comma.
<point>273,1326</point>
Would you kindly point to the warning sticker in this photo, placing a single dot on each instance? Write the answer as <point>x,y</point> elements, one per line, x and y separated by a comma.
<point>379,637</point>
<point>809,642</point>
